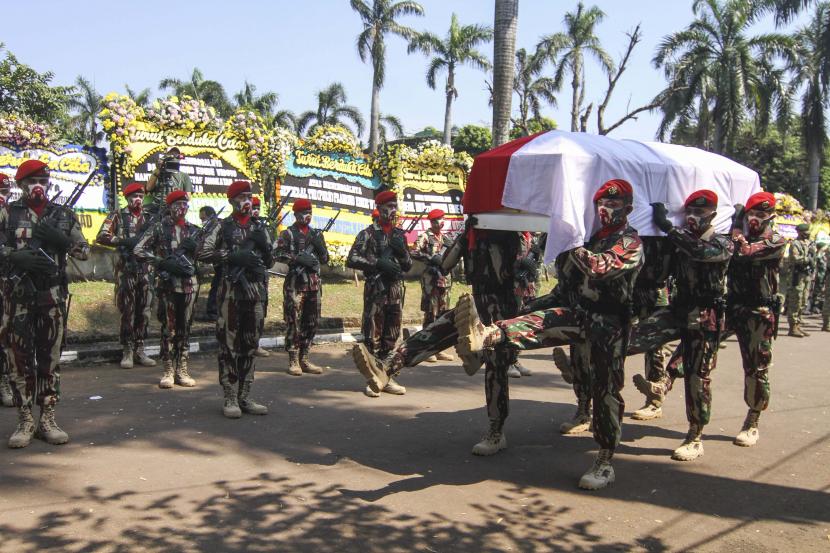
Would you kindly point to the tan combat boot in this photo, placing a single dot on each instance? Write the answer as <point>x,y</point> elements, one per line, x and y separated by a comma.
<point>795,331</point>
<point>825,325</point>
<point>6,396</point>
<point>523,371</point>
<point>182,377</point>
<point>563,363</point>
<point>127,357</point>
<point>167,378</point>
<point>655,394</point>
<point>748,436</point>
<point>431,359</point>
<point>601,474</point>
<point>306,365</point>
<point>248,405</point>
<point>231,406</point>
<point>141,356</point>
<point>441,356</point>
<point>371,369</point>
<point>25,430</point>
<point>394,388</point>
<point>294,368</point>
<point>492,442</point>
<point>48,430</point>
<point>261,352</point>
<point>692,446</point>
<point>580,422</point>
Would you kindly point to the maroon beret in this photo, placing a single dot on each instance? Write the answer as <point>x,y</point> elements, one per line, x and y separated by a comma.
<point>302,204</point>
<point>132,188</point>
<point>702,198</point>
<point>762,201</point>
<point>385,196</point>
<point>238,187</point>
<point>615,189</point>
<point>175,196</point>
<point>30,168</point>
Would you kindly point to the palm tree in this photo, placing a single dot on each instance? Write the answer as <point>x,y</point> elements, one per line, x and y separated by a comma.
<point>331,110</point>
<point>378,21</point>
<point>87,103</point>
<point>390,124</point>
<point>210,92</point>
<point>263,104</point>
<point>811,71</point>
<point>784,10</point>
<point>717,73</point>
<point>505,22</point>
<point>567,51</point>
<point>532,89</point>
<point>458,48</point>
<point>141,98</point>
<point>284,118</point>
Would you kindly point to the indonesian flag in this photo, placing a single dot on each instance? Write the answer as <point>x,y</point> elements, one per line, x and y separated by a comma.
<point>556,173</point>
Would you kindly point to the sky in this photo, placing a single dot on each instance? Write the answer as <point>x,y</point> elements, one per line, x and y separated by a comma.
<point>298,48</point>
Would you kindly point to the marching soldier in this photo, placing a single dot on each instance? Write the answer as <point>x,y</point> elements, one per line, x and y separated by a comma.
<point>527,273</point>
<point>609,263</point>
<point>380,252</point>
<point>134,292</point>
<point>754,304</point>
<point>36,236</point>
<point>800,261</point>
<point>260,351</point>
<point>170,244</point>
<point>304,250</point>
<point>435,283</point>
<point>817,295</point>
<point>701,262</point>
<point>6,398</point>
<point>243,245</point>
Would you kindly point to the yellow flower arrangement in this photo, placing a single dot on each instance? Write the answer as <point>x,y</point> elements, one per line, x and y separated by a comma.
<point>118,118</point>
<point>332,139</point>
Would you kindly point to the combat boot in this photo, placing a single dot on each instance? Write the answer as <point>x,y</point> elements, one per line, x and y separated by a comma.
<point>825,325</point>
<point>6,396</point>
<point>306,365</point>
<point>231,406</point>
<point>183,377</point>
<point>431,359</point>
<point>601,474</point>
<point>248,405</point>
<point>371,369</point>
<point>513,372</point>
<point>167,378</point>
<point>127,357</point>
<point>394,388</point>
<point>795,331</point>
<point>492,442</point>
<point>655,392</point>
<point>48,430</point>
<point>647,412</point>
<point>563,363</point>
<point>22,435</point>
<point>441,356</point>
<point>692,446</point>
<point>802,331</point>
<point>524,371</point>
<point>580,422</point>
<point>748,436</point>
<point>294,368</point>
<point>142,358</point>
<point>261,352</point>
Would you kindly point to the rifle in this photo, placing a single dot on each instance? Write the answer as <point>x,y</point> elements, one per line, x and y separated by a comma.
<point>275,213</point>
<point>309,249</point>
<point>179,254</point>
<point>414,222</point>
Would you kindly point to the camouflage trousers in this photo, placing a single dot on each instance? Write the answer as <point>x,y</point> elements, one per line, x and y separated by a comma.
<point>301,310</point>
<point>175,313</point>
<point>238,330</point>
<point>825,309</point>
<point>754,328</point>
<point>796,300</point>
<point>382,313</point>
<point>134,298</point>
<point>34,336</point>
<point>699,351</point>
<point>264,307</point>
<point>434,302</point>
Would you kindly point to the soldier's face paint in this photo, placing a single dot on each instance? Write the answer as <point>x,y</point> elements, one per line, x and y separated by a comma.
<point>303,218</point>
<point>4,195</point>
<point>178,209</point>
<point>135,200</point>
<point>388,212</point>
<point>757,221</point>
<point>612,211</point>
<point>698,219</point>
<point>35,188</point>
<point>437,224</point>
<point>242,203</point>
<point>255,210</point>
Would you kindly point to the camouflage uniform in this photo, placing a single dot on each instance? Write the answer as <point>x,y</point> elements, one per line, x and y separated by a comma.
<point>176,295</point>
<point>302,288</point>
<point>817,295</point>
<point>133,291</point>
<point>435,284</point>
<point>825,308</point>
<point>35,305</point>
<point>382,294</point>
<point>800,262</point>
<point>527,269</point>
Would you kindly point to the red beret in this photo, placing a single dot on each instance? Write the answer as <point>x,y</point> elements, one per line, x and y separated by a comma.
<point>385,196</point>
<point>762,201</point>
<point>435,214</point>
<point>375,213</point>
<point>175,196</point>
<point>132,188</point>
<point>615,189</point>
<point>302,204</point>
<point>5,181</point>
<point>255,201</point>
<point>702,198</point>
<point>238,187</point>
<point>30,168</point>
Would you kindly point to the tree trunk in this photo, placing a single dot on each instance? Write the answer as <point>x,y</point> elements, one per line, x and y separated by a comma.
<point>814,174</point>
<point>575,102</point>
<point>374,130</point>
<point>448,107</point>
<point>505,23</point>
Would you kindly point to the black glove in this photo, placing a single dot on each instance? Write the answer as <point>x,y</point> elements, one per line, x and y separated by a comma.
<point>527,264</point>
<point>738,217</point>
<point>243,258</point>
<point>398,245</point>
<point>128,243</point>
<point>388,268</point>
<point>436,260</point>
<point>55,238</point>
<point>660,215</point>
<point>31,262</point>
<point>188,245</point>
<point>259,236</point>
<point>308,261</point>
<point>319,243</point>
<point>170,265</point>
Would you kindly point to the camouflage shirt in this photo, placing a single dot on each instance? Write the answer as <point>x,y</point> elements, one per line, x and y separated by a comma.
<point>371,244</point>
<point>428,245</point>
<point>753,272</point>
<point>161,241</point>
<point>290,243</point>
<point>116,227</point>
<point>650,286</point>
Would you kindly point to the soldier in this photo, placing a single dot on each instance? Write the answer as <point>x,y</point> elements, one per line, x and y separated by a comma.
<point>435,283</point>
<point>817,296</point>
<point>800,261</point>
<point>260,351</point>
<point>169,245</point>
<point>303,249</point>
<point>36,236</point>
<point>134,292</point>
<point>701,262</point>
<point>6,398</point>
<point>243,245</point>
<point>527,273</point>
<point>166,178</point>
<point>825,308</point>
<point>754,304</point>
<point>609,263</point>
<point>206,214</point>
<point>380,252</point>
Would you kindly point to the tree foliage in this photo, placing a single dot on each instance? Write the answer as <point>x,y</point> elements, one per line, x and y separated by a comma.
<point>472,139</point>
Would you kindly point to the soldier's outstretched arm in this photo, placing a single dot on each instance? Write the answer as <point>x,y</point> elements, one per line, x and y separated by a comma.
<point>772,248</point>
<point>359,257</point>
<point>625,255</point>
<point>108,233</point>
<point>146,247</point>
<point>212,249</point>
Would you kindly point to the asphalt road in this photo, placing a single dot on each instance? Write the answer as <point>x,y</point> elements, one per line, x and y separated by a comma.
<point>332,470</point>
